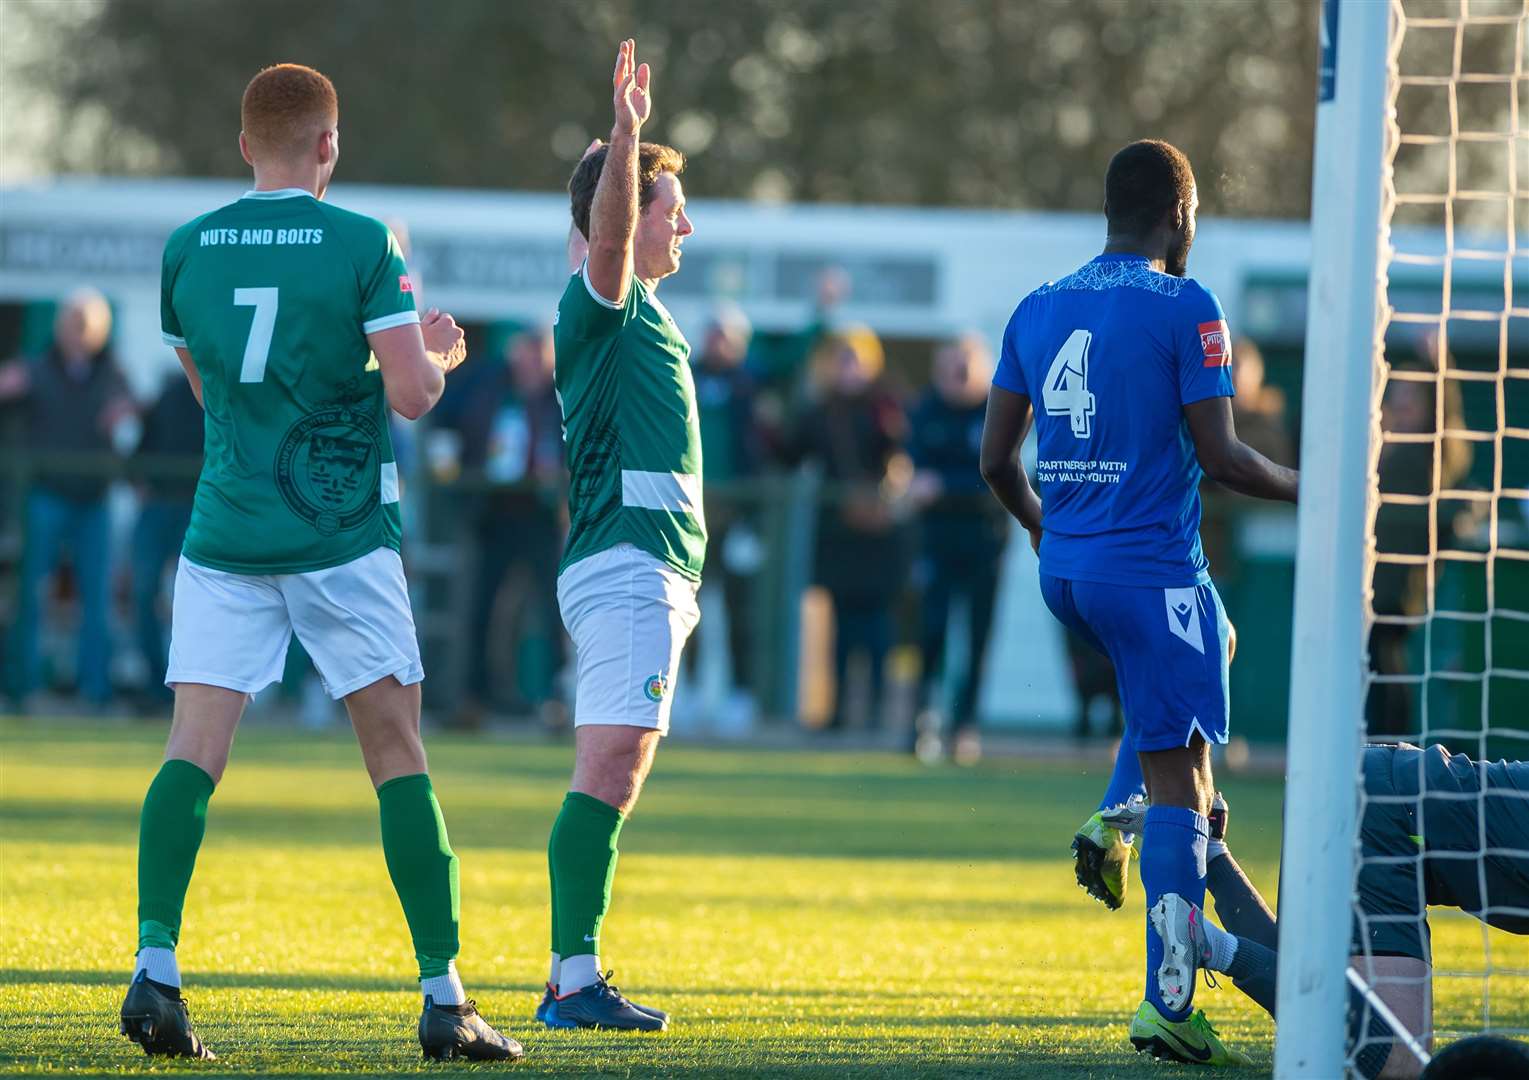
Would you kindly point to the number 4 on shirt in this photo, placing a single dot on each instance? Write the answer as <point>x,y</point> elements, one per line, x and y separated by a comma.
<point>1066,391</point>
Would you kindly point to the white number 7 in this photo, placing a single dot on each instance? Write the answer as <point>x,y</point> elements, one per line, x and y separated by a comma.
<point>1066,391</point>
<point>258,346</point>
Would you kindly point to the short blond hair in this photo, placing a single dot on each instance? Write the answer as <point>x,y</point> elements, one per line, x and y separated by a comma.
<point>285,106</point>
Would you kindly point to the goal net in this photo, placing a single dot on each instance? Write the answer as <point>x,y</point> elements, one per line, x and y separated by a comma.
<point>1443,439</point>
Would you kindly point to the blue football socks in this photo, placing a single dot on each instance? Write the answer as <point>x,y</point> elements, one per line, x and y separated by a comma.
<point>1126,780</point>
<point>1172,861</point>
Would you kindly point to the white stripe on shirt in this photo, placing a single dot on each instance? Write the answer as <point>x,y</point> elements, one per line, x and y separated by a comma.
<point>389,482</point>
<point>387,322</point>
<point>661,491</point>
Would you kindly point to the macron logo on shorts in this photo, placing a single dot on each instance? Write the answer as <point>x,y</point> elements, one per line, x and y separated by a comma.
<point>1184,616</point>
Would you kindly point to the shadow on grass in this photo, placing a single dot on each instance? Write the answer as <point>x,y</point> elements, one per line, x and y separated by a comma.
<point>232,981</point>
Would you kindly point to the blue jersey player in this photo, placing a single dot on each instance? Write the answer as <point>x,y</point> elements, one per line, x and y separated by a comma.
<point>1125,367</point>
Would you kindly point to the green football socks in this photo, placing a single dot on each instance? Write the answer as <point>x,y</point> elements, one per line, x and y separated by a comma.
<point>556,969</point>
<point>423,868</point>
<point>581,860</point>
<point>169,833</point>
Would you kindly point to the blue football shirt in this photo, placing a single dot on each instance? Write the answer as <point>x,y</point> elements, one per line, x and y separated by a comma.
<point>1109,355</point>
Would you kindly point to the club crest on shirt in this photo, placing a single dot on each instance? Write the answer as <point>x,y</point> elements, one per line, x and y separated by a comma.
<point>1215,342</point>
<point>328,468</point>
<point>655,687</point>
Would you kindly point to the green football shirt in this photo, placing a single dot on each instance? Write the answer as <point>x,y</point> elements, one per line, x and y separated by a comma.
<point>630,423</point>
<point>274,296</point>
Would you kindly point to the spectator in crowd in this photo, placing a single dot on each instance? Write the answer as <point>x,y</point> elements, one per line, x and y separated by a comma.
<point>781,363</point>
<point>72,398</point>
<point>168,461</point>
<point>730,457</point>
<point>1259,409</point>
<point>855,431</point>
<point>963,532</point>
<point>511,434</point>
<point>1259,412</point>
<point>1407,468</point>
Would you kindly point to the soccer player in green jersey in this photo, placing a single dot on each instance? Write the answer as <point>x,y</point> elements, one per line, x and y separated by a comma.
<point>636,537</point>
<point>276,305</point>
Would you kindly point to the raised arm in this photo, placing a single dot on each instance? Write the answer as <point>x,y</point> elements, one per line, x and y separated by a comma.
<point>578,247</point>
<point>1003,430</point>
<point>1229,461</point>
<point>414,361</point>
<point>613,212</point>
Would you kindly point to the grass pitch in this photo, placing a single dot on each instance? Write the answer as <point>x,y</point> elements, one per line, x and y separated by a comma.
<point>806,914</point>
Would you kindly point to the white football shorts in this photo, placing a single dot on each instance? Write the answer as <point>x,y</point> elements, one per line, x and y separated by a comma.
<point>629,615</point>
<point>354,620</point>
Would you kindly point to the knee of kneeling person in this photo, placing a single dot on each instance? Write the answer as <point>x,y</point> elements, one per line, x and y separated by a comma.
<point>1401,1065</point>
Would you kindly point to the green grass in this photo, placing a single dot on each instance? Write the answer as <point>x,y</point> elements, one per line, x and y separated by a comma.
<point>817,915</point>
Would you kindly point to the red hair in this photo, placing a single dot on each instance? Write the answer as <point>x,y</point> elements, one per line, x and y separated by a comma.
<point>284,106</point>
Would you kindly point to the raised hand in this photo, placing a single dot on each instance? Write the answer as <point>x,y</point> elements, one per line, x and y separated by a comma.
<point>631,81</point>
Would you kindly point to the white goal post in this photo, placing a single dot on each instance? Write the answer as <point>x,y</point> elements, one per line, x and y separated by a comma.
<point>1327,680</point>
<point>1383,160</point>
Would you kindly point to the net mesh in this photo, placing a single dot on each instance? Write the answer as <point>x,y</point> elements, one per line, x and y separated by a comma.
<point>1448,643</point>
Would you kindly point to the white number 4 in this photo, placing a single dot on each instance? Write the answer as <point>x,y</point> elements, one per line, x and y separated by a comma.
<point>257,348</point>
<point>1066,391</point>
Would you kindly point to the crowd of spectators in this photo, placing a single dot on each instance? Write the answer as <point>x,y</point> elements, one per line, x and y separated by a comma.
<point>906,544</point>
<point>69,402</point>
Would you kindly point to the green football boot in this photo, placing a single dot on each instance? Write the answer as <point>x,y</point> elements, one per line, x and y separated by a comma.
<point>1101,860</point>
<point>1192,1041</point>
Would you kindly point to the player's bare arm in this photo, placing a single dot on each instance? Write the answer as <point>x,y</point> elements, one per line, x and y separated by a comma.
<point>1007,423</point>
<point>415,359</point>
<point>1229,461</point>
<point>193,376</point>
<point>613,214</point>
<point>578,246</point>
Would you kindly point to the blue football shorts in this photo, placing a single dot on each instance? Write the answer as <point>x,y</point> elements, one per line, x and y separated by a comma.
<point>1169,648</point>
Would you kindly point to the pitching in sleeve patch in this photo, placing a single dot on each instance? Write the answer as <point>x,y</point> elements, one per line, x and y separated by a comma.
<point>1216,342</point>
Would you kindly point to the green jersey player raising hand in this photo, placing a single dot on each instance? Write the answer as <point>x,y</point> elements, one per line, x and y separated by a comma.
<point>276,305</point>
<point>637,536</point>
